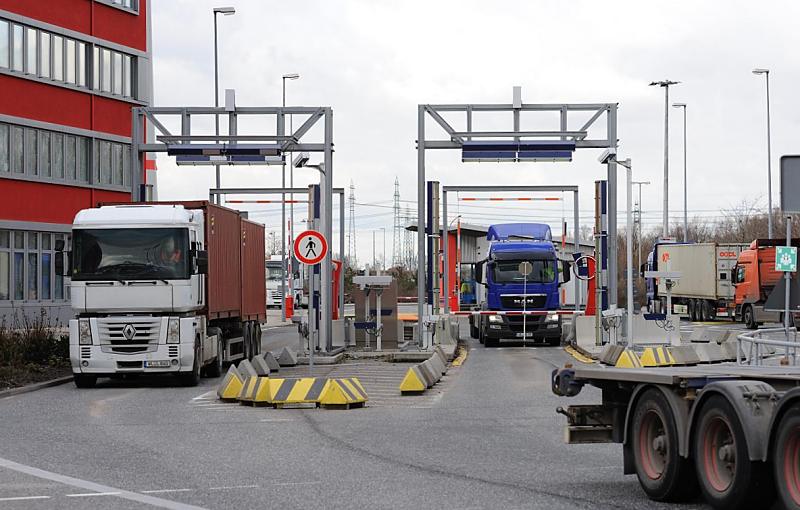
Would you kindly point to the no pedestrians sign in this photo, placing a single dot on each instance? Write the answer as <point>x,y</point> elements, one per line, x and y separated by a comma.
<point>310,247</point>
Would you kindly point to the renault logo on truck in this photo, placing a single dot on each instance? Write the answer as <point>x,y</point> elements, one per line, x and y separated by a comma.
<point>129,331</point>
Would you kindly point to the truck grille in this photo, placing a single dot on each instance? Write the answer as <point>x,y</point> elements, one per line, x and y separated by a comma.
<point>129,335</point>
<point>514,302</point>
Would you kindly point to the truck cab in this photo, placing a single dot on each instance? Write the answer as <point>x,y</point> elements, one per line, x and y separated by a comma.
<point>755,277</point>
<point>506,289</point>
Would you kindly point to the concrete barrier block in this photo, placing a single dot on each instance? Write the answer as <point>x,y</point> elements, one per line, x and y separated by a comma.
<point>610,354</point>
<point>345,393</point>
<point>684,355</point>
<point>260,365</point>
<point>246,369</point>
<point>272,363</point>
<point>709,353</point>
<point>286,358</point>
<point>414,381</point>
<point>431,373</point>
<point>231,385</point>
<point>305,390</point>
<point>656,357</point>
<point>729,349</point>
<point>438,351</point>
<point>438,365</point>
<point>628,359</point>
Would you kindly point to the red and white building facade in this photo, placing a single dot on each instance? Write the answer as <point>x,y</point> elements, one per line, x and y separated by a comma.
<point>70,72</point>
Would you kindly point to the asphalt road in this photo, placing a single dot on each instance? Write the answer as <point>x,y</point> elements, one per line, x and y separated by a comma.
<point>491,439</point>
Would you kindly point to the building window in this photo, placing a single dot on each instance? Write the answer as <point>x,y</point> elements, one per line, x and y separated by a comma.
<point>27,269</point>
<point>44,55</point>
<point>30,50</point>
<point>17,49</point>
<point>16,150</point>
<point>4,44</point>
<point>58,57</point>
<point>47,55</point>
<point>54,156</point>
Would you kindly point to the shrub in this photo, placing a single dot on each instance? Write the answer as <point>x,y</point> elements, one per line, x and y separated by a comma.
<point>32,340</point>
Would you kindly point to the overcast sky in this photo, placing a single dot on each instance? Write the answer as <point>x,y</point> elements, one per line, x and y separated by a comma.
<point>375,61</point>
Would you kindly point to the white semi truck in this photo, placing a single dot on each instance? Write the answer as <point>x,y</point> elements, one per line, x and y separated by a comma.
<point>158,288</point>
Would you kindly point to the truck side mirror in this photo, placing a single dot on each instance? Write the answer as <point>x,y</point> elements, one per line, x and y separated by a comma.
<point>201,259</point>
<point>565,271</point>
<point>59,262</point>
<point>479,271</point>
<point>642,270</point>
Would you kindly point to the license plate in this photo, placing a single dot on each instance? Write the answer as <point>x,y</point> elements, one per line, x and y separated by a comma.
<point>156,364</point>
<point>526,335</point>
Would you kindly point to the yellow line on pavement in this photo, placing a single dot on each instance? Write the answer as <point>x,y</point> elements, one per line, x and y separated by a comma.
<point>577,355</point>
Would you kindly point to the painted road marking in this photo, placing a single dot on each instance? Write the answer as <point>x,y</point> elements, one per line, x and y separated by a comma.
<point>229,487</point>
<point>205,396</point>
<point>162,491</point>
<point>24,498</point>
<point>92,486</point>
<point>92,494</point>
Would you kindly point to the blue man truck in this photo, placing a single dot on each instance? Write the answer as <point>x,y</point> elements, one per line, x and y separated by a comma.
<point>508,289</point>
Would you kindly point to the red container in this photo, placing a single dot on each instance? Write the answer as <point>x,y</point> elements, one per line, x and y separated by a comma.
<point>254,289</point>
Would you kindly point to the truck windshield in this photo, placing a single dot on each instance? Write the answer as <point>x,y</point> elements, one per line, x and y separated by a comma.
<point>130,254</point>
<point>507,271</point>
<point>274,273</point>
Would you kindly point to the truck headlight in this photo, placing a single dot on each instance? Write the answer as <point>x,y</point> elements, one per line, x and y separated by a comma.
<point>84,332</point>
<point>174,331</point>
<point>495,318</point>
<point>552,317</point>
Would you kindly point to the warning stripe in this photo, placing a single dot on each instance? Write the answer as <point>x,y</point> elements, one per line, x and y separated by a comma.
<point>510,199</point>
<point>267,201</point>
<point>520,312</point>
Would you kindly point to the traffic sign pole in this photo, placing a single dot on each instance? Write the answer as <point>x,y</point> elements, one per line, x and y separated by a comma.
<point>311,248</point>
<point>787,276</point>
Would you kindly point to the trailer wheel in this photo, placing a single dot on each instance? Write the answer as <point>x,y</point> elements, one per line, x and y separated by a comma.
<point>663,473</point>
<point>786,459</point>
<point>257,338</point>
<point>247,338</point>
<point>473,330</point>
<point>479,329</point>
<point>728,478</point>
<point>749,318</point>
<point>692,310</point>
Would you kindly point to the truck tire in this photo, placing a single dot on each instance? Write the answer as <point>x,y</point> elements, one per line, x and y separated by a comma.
<point>473,330</point>
<point>84,380</point>
<point>749,317</point>
<point>784,459</point>
<point>193,378</point>
<point>257,338</point>
<point>214,369</point>
<point>663,474</point>
<point>247,341</point>
<point>728,478</point>
<point>487,341</point>
<point>692,310</point>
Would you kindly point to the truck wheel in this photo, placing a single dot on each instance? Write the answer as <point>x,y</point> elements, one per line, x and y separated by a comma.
<point>663,473</point>
<point>247,341</point>
<point>705,306</point>
<point>785,460</point>
<point>748,317</point>
<point>215,368</point>
<point>193,378</point>
<point>257,342</point>
<point>487,341</point>
<point>692,310</point>
<point>84,380</point>
<point>473,330</point>
<point>728,478</point>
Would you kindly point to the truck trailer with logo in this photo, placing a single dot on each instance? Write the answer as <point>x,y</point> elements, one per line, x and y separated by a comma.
<point>705,289</point>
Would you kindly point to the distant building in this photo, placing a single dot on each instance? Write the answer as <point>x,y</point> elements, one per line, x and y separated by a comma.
<point>70,71</point>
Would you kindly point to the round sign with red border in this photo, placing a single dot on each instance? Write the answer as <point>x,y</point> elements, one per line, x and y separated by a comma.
<point>310,247</point>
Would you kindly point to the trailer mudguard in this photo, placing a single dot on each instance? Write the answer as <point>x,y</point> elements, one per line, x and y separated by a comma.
<point>788,400</point>
<point>680,411</point>
<point>754,404</point>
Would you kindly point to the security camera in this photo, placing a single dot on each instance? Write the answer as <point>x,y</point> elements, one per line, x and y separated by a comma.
<point>301,160</point>
<point>607,156</point>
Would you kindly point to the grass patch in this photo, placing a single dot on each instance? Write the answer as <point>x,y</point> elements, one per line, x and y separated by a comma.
<point>32,349</point>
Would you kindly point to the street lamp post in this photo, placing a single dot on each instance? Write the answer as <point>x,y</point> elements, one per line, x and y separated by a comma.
<point>285,77</point>
<point>685,193</point>
<point>665,84</point>
<point>225,11</point>
<point>765,72</point>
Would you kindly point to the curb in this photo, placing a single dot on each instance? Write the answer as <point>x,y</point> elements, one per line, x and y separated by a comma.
<point>33,387</point>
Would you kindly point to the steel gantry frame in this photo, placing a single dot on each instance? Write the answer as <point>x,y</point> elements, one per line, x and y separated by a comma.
<point>455,139</point>
<point>510,189</point>
<point>281,142</point>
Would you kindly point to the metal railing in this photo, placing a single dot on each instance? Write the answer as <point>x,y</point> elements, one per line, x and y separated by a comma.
<point>755,352</point>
